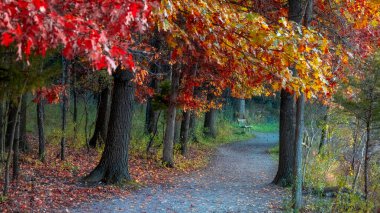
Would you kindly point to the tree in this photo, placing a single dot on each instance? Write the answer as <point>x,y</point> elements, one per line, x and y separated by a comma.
<point>41,130</point>
<point>64,105</point>
<point>80,29</point>
<point>102,117</point>
<point>185,132</point>
<point>360,98</point>
<point>284,176</point>
<point>113,166</point>
<point>167,155</point>
<point>23,143</point>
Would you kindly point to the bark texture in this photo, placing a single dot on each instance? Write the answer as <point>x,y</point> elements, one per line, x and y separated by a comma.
<point>167,156</point>
<point>210,123</point>
<point>41,130</point>
<point>113,165</point>
<point>23,143</point>
<point>102,118</point>
<point>297,186</point>
<point>12,131</point>
<point>16,150</point>
<point>185,130</point>
<point>284,176</point>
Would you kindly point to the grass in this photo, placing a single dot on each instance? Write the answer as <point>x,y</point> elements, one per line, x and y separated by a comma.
<point>265,127</point>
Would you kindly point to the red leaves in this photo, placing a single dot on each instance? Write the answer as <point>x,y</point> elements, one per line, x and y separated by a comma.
<point>28,47</point>
<point>134,7</point>
<point>82,29</point>
<point>117,52</point>
<point>101,63</point>
<point>40,5</point>
<point>50,94</point>
<point>6,39</point>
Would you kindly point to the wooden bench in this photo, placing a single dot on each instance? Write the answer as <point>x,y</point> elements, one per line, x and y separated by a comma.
<point>243,124</point>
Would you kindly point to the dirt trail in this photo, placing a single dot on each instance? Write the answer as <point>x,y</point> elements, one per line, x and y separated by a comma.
<point>237,180</point>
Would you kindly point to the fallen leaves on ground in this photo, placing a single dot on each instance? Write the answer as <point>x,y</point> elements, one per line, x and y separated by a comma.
<point>55,184</point>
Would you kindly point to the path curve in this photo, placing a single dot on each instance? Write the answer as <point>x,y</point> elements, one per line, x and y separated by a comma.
<point>237,180</point>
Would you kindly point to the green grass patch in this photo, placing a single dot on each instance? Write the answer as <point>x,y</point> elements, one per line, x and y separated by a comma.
<point>265,127</point>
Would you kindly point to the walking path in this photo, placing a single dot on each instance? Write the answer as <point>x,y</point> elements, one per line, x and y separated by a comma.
<point>237,180</point>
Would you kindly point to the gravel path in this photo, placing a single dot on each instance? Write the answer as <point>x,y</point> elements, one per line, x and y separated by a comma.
<point>237,180</point>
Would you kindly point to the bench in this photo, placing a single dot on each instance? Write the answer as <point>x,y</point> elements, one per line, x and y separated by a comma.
<point>243,124</point>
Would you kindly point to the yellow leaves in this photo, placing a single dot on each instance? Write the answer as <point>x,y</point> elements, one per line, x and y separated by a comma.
<point>283,22</point>
<point>276,86</point>
<point>324,46</point>
<point>264,26</point>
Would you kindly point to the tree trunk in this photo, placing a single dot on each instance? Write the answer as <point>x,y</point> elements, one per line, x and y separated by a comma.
<point>366,155</point>
<point>102,118</point>
<point>16,144</point>
<point>152,114</point>
<point>184,138</point>
<point>167,156</point>
<point>284,176</point>
<point>3,127</point>
<point>177,128</point>
<point>239,109</point>
<point>41,130</point>
<point>12,110</point>
<point>13,117</point>
<point>151,117</point>
<point>75,107</point>
<point>64,105</point>
<point>210,123</point>
<point>358,168</point>
<point>297,186</point>
<point>113,166</point>
<point>23,143</point>
<point>193,126</point>
<point>324,135</point>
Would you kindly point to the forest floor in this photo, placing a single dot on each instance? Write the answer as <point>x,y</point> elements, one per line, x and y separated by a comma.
<point>238,179</point>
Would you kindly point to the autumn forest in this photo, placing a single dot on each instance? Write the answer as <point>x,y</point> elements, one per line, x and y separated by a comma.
<point>190,106</point>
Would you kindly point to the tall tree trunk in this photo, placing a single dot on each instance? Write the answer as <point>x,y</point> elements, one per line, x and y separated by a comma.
<point>16,144</point>
<point>113,166</point>
<point>167,156</point>
<point>366,156</point>
<point>75,106</point>
<point>295,11</point>
<point>64,106</point>
<point>210,123</point>
<point>41,130</point>
<point>297,186</point>
<point>284,176</point>
<point>13,117</point>
<point>23,143</point>
<point>151,116</point>
<point>102,118</point>
<point>184,138</point>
